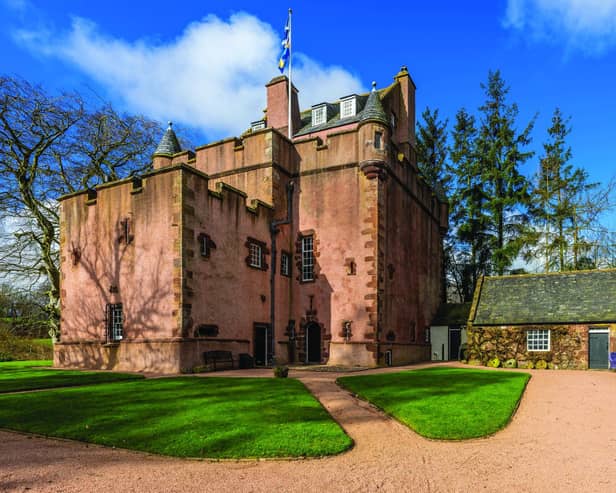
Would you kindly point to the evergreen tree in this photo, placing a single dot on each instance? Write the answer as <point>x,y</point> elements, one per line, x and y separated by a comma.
<point>432,152</point>
<point>470,258</point>
<point>563,208</point>
<point>500,148</point>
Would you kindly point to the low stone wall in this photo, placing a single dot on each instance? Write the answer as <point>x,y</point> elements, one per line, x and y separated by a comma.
<point>568,345</point>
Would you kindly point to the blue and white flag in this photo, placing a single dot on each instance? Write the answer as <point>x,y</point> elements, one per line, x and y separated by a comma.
<point>286,47</point>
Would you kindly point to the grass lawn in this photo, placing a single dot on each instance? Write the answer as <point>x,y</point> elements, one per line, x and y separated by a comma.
<point>184,417</point>
<point>24,375</point>
<point>444,403</point>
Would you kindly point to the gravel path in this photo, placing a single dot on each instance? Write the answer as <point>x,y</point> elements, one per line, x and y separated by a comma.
<point>563,438</point>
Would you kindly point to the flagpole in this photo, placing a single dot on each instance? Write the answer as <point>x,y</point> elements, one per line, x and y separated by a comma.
<point>290,76</point>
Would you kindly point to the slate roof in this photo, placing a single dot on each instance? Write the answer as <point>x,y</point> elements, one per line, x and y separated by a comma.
<point>373,109</point>
<point>169,144</point>
<point>557,298</point>
<point>452,314</point>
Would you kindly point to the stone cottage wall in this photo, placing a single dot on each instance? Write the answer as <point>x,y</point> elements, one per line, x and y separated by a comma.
<point>568,345</point>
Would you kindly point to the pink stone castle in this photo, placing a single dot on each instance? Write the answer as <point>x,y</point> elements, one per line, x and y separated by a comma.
<point>323,248</point>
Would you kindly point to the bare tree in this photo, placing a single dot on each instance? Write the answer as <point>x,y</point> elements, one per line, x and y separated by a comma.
<point>51,145</point>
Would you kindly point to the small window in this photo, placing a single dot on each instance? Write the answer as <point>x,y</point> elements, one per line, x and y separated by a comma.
<point>378,140</point>
<point>538,340</point>
<point>347,107</point>
<point>258,125</point>
<point>319,115</point>
<point>285,264</point>
<point>427,334</point>
<point>204,245</point>
<point>115,322</point>
<point>206,330</point>
<point>393,121</point>
<point>256,255</point>
<point>307,258</point>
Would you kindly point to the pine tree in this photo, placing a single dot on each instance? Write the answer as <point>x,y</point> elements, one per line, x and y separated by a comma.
<point>500,148</point>
<point>468,220</point>
<point>432,152</point>
<point>563,209</point>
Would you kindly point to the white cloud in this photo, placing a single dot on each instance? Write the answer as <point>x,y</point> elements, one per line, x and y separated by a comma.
<point>212,76</point>
<point>587,25</point>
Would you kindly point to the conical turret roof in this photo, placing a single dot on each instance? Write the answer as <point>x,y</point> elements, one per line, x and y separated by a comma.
<point>169,144</point>
<point>374,109</point>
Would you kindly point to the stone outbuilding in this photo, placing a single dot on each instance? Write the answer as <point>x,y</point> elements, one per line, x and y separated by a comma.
<point>566,319</point>
<point>319,245</point>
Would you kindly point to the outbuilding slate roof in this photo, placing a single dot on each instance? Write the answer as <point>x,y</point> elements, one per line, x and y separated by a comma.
<point>556,298</point>
<point>452,314</point>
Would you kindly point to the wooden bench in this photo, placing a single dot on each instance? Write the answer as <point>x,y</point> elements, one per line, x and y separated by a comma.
<point>214,358</point>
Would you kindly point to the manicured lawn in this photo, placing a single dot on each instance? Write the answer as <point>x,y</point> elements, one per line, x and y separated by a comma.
<point>185,417</point>
<point>444,403</point>
<point>24,375</point>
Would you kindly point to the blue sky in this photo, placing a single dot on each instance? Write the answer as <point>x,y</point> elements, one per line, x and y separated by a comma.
<point>205,63</point>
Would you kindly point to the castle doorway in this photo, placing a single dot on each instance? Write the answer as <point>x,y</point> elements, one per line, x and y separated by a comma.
<point>313,343</point>
<point>263,344</point>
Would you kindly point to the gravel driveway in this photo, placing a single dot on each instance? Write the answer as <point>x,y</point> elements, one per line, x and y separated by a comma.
<point>563,438</point>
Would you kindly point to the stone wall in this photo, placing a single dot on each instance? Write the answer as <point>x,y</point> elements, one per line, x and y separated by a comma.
<point>568,345</point>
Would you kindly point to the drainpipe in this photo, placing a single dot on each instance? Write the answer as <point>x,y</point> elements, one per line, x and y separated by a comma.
<point>274,232</point>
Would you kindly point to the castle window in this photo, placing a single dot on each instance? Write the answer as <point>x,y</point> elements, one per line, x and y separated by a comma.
<point>115,322</point>
<point>378,140</point>
<point>307,258</point>
<point>285,264</point>
<point>393,120</point>
<point>256,255</point>
<point>258,125</point>
<point>538,340</point>
<point>319,115</point>
<point>347,107</point>
<point>204,245</point>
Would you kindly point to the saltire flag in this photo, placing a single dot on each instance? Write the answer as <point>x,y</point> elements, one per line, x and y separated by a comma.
<point>286,47</point>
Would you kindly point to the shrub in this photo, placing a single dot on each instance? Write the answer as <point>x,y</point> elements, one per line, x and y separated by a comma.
<point>474,362</point>
<point>19,348</point>
<point>510,363</point>
<point>541,364</point>
<point>281,371</point>
<point>494,363</point>
<point>5,356</point>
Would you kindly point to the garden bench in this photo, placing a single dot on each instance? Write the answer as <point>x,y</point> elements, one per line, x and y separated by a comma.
<point>215,358</point>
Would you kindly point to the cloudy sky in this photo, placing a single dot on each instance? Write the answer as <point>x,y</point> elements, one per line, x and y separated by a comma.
<point>204,64</point>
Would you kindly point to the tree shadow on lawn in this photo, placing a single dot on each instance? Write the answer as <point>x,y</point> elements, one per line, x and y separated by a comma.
<point>185,417</point>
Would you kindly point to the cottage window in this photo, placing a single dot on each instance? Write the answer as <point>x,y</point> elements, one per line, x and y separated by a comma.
<point>256,256</point>
<point>319,115</point>
<point>307,258</point>
<point>347,107</point>
<point>285,264</point>
<point>538,340</point>
<point>115,322</point>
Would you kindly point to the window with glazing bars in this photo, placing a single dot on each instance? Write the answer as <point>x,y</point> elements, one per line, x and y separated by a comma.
<point>256,259</point>
<point>538,340</point>
<point>285,264</point>
<point>115,322</point>
<point>307,258</point>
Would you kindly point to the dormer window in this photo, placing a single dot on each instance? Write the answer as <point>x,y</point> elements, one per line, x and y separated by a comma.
<point>319,114</point>
<point>348,107</point>
<point>258,125</point>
